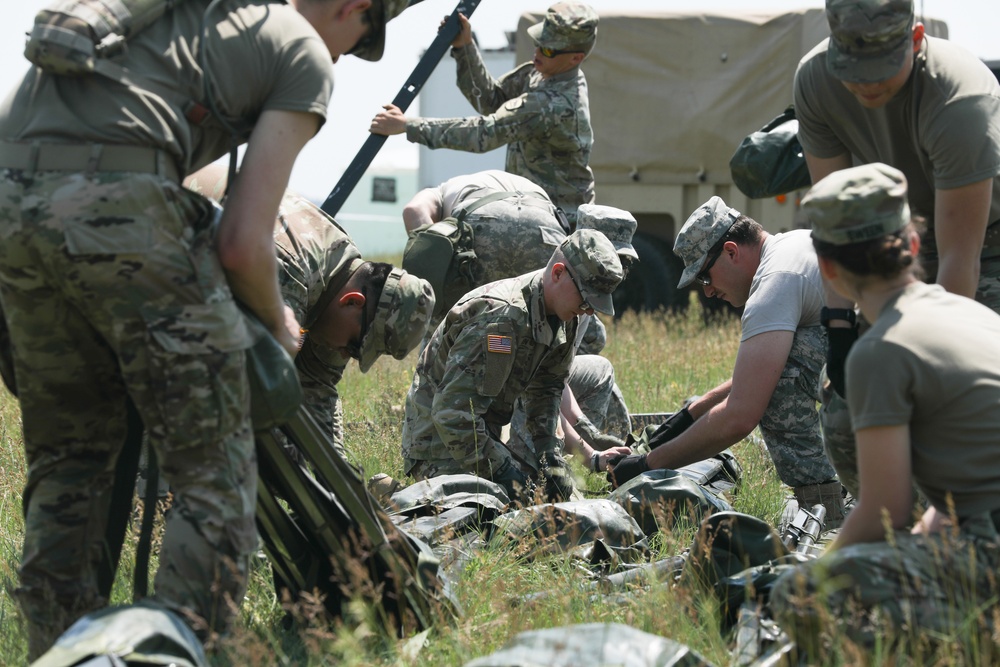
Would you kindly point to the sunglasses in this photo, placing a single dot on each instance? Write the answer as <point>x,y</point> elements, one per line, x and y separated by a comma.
<point>552,53</point>
<point>703,278</point>
<point>584,305</point>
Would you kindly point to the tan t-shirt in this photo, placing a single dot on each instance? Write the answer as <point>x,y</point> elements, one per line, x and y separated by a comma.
<point>942,129</point>
<point>260,56</point>
<point>932,360</point>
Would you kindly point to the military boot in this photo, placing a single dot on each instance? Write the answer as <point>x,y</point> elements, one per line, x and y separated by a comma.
<point>828,494</point>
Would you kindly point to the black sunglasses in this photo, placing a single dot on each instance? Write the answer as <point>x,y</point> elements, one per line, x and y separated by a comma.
<point>552,53</point>
<point>703,278</point>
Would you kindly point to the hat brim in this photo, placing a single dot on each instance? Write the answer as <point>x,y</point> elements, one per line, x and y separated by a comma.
<point>374,45</point>
<point>855,69</point>
<point>691,272</point>
<point>601,302</point>
<point>625,249</point>
<point>535,33</point>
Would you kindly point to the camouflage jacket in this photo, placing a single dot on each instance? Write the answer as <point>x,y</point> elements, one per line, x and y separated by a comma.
<point>495,346</point>
<point>315,259</point>
<point>545,124</point>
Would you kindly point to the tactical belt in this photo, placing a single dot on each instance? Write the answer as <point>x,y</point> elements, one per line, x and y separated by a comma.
<point>87,158</point>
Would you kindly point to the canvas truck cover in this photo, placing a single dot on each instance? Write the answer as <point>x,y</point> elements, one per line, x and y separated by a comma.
<point>672,94</point>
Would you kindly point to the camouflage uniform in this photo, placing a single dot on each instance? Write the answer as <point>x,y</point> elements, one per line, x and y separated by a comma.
<point>511,236</point>
<point>496,345</point>
<point>591,377</point>
<point>463,393</point>
<point>545,123</point>
<point>112,290</point>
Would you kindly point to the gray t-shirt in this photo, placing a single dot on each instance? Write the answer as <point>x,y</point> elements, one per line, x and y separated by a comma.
<point>942,129</point>
<point>260,56</point>
<point>786,292</point>
<point>932,360</point>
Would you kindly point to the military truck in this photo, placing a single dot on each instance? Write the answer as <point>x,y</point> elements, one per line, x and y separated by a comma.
<point>672,94</point>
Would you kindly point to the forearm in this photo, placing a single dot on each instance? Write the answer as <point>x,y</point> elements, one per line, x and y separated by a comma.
<point>710,399</point>
<point>473,134</point>
<point>961,216</point>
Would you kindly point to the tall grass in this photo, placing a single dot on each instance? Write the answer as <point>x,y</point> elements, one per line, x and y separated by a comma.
<point>660,360</point>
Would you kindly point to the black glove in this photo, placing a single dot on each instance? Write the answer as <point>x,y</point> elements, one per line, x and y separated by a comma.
<point>593,436</point>
<point>514,483</point>
<point>557,481</point>
<point>626,468</point>
<point>675,424</point>
<point>841,340</point>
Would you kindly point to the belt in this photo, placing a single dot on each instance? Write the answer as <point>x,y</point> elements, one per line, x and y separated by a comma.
<point>88,158</point>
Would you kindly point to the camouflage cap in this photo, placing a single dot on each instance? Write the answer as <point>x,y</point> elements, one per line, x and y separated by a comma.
<point>594,266</point>
<point>380,13</point>
<point>401,317</point>
<point>567,26</point>
<point>857,204</point>
<point>702,230</point>
<point>615,223</point>
<point>869,39</point>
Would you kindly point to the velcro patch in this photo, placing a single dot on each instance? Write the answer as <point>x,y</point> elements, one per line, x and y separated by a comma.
<point>499,344</point>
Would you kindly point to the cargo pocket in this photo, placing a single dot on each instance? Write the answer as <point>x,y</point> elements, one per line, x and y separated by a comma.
<point>108,235</point>
<point>498,355</point>
<point>198,370</point>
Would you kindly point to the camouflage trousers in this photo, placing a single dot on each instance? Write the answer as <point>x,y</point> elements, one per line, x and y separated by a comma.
<point>790,424</point>
<point>838,435</point>
<point>592,381</point>
<point>111,289</point>
<point>908,589</point>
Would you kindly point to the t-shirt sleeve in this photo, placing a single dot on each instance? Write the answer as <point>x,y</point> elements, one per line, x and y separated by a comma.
<point>879,384</point>
<point>972,154</point>
<point>815,133</point>
<point>775,305</point>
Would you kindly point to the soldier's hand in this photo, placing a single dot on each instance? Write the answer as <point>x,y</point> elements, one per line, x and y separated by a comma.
<point>622,471</point>
<point>675,424</point>
<point>558,481</point>
<point>614,454</point>
<point>593,436</point>
<point>388,122</point>
<point>464,37</point>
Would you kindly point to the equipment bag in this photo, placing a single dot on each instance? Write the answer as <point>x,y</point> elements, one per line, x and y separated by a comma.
<point>770,162</point>
<point>75,37</point>
<point>443,253</point>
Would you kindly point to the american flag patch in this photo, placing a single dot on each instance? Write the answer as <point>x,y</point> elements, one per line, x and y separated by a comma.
<point>501,344</point>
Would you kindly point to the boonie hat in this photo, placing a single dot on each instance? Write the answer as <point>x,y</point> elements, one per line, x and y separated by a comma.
<point>869,39</point>
<point>857,204</point>
<point>404,309</point>
<point>701,231</point>
<point>380,13</point>
<point>615,223</point>
<point>594,266</point>
<point>567,26</point>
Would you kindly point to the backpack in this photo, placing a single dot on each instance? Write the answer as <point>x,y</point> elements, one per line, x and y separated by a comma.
<point>443,253</point>
<point>75,37</point>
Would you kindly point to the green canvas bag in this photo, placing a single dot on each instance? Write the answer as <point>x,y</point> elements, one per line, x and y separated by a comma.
<point>770,161</point>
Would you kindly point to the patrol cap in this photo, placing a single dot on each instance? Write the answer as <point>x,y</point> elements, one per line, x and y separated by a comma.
<point>869,39</point>
<point>380,13</point>
<point>701,231</point>
<point>404,309</point>
<point>594,266</point>
<point>567,26</point>
<point>857,204</point>
<point>615,223</point>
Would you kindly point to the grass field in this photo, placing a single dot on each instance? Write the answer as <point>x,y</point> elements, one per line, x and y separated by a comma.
<point>659,359</point>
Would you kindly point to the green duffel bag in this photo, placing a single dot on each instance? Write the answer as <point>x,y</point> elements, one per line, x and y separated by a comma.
<point>657,498</point>
<point>770,161</point>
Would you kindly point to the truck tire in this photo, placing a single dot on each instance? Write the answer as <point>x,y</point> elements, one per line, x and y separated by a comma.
<point>652,282</point>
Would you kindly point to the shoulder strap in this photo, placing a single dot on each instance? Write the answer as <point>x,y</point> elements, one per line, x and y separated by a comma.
<point>483,201</point>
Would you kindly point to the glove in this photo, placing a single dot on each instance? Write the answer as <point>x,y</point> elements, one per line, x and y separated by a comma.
<point>556,477</point>
<point>626,468</point>
<point>593,436</point>
<point>675,424</point>
<point>513,482</point>
<point>840,342</point>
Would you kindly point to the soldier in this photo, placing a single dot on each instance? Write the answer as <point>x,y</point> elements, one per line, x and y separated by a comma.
<point>349,308</point>
<point>923,388</point>
<point>775,380</point>
<point>539,110</point>
<point>880,90</point>
<point>507,340</point>
<point>116,288</point>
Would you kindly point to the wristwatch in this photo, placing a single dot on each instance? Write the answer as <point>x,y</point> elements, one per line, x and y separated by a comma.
<point>846,314</point>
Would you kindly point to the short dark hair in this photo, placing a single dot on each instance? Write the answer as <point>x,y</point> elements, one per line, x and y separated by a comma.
<point>745,231</point>
<point>372,277</point>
